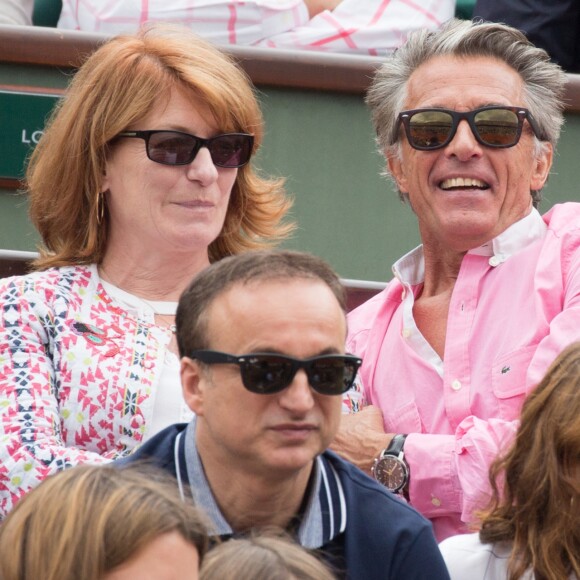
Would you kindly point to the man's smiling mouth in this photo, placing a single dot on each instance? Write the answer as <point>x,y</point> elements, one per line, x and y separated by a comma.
<point>463,183</point>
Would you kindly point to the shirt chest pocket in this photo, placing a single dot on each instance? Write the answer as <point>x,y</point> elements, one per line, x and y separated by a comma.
<point>509,374</point>
<point>404,419</point>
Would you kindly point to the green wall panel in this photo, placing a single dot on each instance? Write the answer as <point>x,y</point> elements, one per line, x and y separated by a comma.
<point>16,231</point>
<point>324,145</point>
<point>563,181</point>
<point>34,76</point>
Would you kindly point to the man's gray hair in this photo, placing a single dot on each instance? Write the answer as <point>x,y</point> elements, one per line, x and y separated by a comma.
<point>544,81</point>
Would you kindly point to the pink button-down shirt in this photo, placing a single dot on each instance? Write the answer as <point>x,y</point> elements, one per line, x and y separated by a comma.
<point>514,307</point>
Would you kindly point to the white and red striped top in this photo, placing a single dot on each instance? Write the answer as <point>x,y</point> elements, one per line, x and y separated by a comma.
<point>369,27</point>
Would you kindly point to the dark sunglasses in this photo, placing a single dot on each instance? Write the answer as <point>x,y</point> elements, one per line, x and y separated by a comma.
<point>429,129</point>
<point>177,148</point>
<point>268,373</point>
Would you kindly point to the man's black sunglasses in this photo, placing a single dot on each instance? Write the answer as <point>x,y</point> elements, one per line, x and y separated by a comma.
<point>177,148</point>
<point>267,373</point>
<point>493,126</point>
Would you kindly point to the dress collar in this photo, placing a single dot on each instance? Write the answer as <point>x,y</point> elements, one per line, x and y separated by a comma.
<point>410,269</point>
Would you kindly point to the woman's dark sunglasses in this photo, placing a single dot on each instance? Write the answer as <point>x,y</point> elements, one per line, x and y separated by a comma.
<point>429,129</point>
<point>177,148</point>
<point>267,373</point>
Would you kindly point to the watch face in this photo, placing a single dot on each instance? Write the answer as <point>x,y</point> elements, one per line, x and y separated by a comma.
<point>391,472</point>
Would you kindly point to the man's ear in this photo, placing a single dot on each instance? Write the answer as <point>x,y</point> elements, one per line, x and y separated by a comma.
<point>192,377</point>
<point>542,166</point>
<point>395,167</point>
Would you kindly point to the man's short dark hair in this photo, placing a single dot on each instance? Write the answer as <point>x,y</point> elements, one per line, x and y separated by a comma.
<point>266,265</point>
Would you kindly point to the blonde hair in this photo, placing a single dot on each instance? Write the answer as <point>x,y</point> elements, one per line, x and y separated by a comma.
<point>265,556</point>
<point>116,87</point>
<point>86,521</point>
<point>539,509</point>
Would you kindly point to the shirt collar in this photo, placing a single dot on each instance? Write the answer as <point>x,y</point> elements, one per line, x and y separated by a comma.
<point>325,514</point>
<point>410,269</point>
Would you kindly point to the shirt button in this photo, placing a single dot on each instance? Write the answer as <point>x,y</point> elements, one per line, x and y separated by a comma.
<point>456,385</point>
<point>436,501</point>
<point>406,332</point>
<point>494,261</point>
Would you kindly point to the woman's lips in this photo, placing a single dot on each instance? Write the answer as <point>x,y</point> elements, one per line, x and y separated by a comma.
<point>195,204</point>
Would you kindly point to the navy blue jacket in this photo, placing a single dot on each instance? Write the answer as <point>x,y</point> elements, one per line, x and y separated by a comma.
<point>381,537</point>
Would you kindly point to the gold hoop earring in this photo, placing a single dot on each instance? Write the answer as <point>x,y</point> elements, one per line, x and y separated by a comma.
<point>100,207</point>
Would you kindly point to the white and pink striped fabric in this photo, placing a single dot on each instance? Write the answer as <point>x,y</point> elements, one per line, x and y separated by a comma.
<point>220,21</point>
<point>370,27</point>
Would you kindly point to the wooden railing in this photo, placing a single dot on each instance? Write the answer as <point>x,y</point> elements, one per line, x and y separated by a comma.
<point>14,263</point>
<point>269,67</point>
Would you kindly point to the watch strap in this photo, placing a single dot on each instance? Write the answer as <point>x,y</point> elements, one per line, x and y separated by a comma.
<point>395,446</point>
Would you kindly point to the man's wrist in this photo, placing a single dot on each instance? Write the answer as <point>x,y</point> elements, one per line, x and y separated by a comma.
<point>381,444</point>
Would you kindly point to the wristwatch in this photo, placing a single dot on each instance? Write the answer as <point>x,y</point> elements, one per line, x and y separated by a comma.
<point>390,468</point>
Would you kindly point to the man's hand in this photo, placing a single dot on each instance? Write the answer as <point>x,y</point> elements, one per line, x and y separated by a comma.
<point>317,6</point>
<point>361,437</point>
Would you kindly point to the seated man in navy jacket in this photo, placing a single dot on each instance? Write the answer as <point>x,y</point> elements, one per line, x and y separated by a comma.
<point>261,338</point>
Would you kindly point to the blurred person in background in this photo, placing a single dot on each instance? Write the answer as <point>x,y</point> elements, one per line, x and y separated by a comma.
<point>553,26</point>
<point>263,556</point>
<point>18,12</point>
<point>532,527</point>
<point>369,27</point>
<point>102,523</point>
